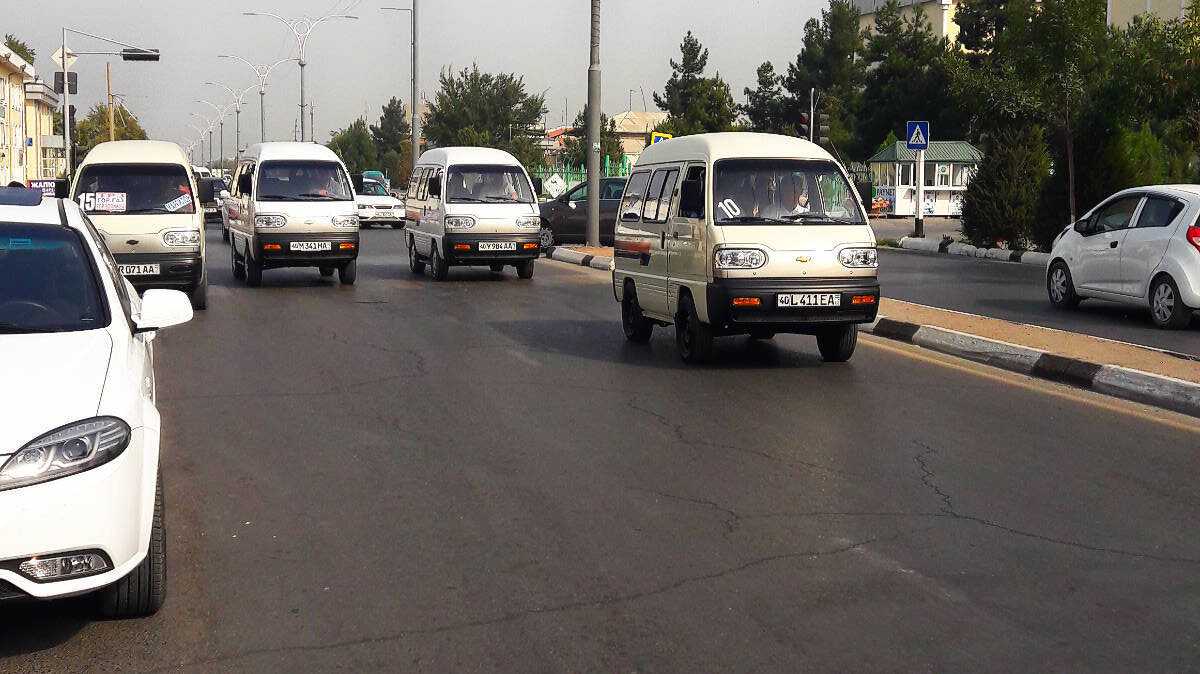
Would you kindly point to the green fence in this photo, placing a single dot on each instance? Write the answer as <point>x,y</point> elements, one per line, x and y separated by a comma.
<point>575,175</point>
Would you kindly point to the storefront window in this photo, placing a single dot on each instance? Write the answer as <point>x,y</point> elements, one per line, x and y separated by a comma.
<point>930,174</point>
<point>959,178</point>
<point>891,174</point>
<point>943,175</point>
<point>906,174</point>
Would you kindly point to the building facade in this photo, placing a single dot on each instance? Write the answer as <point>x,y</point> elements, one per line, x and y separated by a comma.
<point>29,148</point>
<point>939,14</point>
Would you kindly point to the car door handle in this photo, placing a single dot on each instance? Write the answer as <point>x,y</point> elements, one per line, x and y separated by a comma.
<point>675,235</point>
<point>663,241</point>
<point>1112,244</point>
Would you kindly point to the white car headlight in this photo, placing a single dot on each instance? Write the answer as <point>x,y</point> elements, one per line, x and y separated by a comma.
<point>739,258</point>
<point>529,222</point>
<point>459,222</point>
<point>269,221</point>
<point>347,221</point>
<point>66,451</point>
<point>859,257</point>
<point>181,237</point>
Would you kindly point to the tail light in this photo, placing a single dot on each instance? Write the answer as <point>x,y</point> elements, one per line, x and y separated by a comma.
<point>1193,236</point>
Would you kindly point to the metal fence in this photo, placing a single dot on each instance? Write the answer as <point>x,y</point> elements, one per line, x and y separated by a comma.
<point>575,175</point>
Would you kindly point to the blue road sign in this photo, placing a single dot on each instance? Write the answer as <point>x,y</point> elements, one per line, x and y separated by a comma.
<point>918,135</point>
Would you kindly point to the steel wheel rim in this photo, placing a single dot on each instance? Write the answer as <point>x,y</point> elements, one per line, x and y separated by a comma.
<point>547,237</point>
<point>1058,285</point>
<point>1164,302</point>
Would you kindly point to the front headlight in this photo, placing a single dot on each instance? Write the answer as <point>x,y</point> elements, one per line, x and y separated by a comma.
<point>739,258</point>
<point>66,451</point>
<point>269,221</point>
<point>459,222</point>
<point>859,257</point>
<point>529,222</point>
<point>347,221</point>
<point>181,237</point>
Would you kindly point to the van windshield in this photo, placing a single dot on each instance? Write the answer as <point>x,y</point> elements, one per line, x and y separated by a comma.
<point>303,181</point>
<point>782,191</point>
<point>488,184</point>
<point>134,189</point>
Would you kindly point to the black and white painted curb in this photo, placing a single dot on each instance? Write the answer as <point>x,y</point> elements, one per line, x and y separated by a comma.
<point>950,247</point>
<point>1135,385</point>
<point>575,257</point>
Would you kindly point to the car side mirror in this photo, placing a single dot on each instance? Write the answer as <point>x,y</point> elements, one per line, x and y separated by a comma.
<point>537,185</point>
<point>163,308</point>
<point>224,195</point>
<point>204,191</point>
<point>435,186</point>
<point>691,199</point>
<point>62,188</point>
<point>1084,226</point>
<point>359,183</point>
<point>244,185</point>
<point>571,204</point>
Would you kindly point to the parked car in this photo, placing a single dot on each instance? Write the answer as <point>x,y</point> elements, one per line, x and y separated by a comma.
<point>564,220</point>
<point>376,206</point>
<point>1141,246</point>
<point>79,463</point>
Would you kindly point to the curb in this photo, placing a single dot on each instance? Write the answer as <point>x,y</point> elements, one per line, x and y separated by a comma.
<point>1133,385</point>
<point>575,257</point>
<point>949,247</point>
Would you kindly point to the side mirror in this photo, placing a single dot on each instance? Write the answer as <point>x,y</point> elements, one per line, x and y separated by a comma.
<point>435,186</point>
<point>691,199</point>
<point>537,186</point>
<point>1083,226</point>
<point>204,191</point>
<point>571,204</point>
<point>244,184</point>
<point>62,188</point>
<point>163,308</point>
<point>358,181</point>
<point>224,195</point>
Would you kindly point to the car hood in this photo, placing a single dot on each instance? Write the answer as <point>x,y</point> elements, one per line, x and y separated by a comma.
<point>50,380</point>
<point>377,201</point>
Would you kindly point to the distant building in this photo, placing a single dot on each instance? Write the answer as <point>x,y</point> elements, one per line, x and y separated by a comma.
<point>1121,12</point>
<point>633,127</point>
<point>29,148</point>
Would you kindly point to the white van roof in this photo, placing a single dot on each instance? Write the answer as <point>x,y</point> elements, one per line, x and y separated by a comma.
<point>137,152</point>
<point>711,147</point>
<point>290,150</point>
<point>449,156</point>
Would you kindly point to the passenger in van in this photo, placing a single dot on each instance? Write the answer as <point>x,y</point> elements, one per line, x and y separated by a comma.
<point>738,190</point>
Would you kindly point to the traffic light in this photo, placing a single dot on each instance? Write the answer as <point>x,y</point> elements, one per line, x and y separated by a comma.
<point>139,54</point>
<point>820,130</point>
<point>803,129</point>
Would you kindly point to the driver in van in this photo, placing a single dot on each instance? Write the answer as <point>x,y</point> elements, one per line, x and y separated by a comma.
<point>495,186</point>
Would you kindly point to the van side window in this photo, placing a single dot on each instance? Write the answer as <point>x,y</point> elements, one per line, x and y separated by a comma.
<point>650,203</point>
<point>635,191</point>
<point>695,173</point>
<point>414,184</point>
<point>422,186</point>
<point>662,197</point>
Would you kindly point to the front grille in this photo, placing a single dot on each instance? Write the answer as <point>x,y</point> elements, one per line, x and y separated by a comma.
<point>10,591</point>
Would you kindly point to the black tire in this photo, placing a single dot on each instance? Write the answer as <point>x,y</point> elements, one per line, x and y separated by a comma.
<point>693,337</point>
<point>437,265</point>
<point>415,264</point>
<point>348,272</point>
<point>762,334</point>
<point>546,237</point>
<point>1060,287</point>
<point>199,294</point>
<point>397,225</point>
<point>525,269</point>
<point>224,233</point>
<point>1166,306</point>
<point>637,327</point>
<point>239,268</point>
<point>496,268</point>
<point>143,591</point>
<point>326,271</point>
<point>837,344</point>
<point>254,269</point>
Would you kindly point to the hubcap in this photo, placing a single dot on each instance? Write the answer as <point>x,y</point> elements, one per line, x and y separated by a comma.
<point>1058,285</point>
<point>1164,302</point>
<point>547,238</point>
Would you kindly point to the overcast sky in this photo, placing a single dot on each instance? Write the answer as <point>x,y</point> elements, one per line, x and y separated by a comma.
<point>357,65</point>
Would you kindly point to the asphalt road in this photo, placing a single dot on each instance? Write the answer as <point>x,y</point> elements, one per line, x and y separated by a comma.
<point>482,475</point>
<point>1017,292</point>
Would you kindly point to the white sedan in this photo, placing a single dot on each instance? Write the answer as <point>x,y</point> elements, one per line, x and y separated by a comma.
<point>80,486</point>
<point>1141,247</point>
<point>377,207</point>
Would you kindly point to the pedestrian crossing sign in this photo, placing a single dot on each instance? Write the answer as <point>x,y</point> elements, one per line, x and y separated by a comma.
<point>659,137</point>
<point>918,135</point>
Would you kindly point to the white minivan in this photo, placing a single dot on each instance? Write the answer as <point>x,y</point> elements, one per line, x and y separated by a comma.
<point>743,233</point>
<point>292,205</point>
<point>144,198</point>
<point>471,206</point>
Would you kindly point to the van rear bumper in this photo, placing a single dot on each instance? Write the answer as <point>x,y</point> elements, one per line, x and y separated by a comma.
<point>177,271</point>
<point>463,249</point>
<point>769,316</point>
<point>343,247</point>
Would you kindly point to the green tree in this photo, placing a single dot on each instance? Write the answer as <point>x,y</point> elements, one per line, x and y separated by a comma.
<point>764,104</point>
<point>393,130</point>
<point>828,62</point>
<point>482,109</point>
<point>93,129</point>
<point>354,146</point>
<point>397,166</point>
<point>20,48</point>
<point>694,103</point>
<point>1003,200</point>
<point>575,153</point>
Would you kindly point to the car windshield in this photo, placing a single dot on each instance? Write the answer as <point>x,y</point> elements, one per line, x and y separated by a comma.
<point>374,189</point>
<point>134,189</point>
<point>303,181</point>
<point>492,184</point>
<point>782,191</point>
<point>47,281</point>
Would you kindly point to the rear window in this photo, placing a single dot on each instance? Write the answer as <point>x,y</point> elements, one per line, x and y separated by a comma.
<point>303,181</point>
<point>134,189</point>
<point>48,281</point>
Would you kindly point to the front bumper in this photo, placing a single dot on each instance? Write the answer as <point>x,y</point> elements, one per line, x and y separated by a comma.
<point>463,249</point>
<point>108,510</point>
<point>177,271</point>
<point>728,319</point>
<point>343,247</point>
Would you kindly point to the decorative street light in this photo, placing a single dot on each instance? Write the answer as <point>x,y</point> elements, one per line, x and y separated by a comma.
<point>211,124</point>
<point>200,134</point>
<point>222,112</point>
<point>301,28</point>
<point>238,95</point>
<point>261,72</point>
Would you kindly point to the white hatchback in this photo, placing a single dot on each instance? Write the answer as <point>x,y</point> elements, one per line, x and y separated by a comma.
<point>79,431</point>
<point>1140,246</point>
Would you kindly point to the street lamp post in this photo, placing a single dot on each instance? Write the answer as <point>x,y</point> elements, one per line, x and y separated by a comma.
<point>238,95</point>
<point>200,134</point>
<point>301,28</point>
<point>415,125</point>
<point>222,112</point>
<point>211,124</point>
<point>261,72</point>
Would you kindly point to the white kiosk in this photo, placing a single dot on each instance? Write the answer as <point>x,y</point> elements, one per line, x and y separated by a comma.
<point>949,166</point>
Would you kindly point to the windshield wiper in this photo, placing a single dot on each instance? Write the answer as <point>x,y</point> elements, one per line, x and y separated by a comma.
<point>495,198</point>
<point>470,199</point>
<point>749,218</point>
<point>272,197</point>
<point>152,209</point>
<point>13,328</point>
<point>820,216</point>
<point>317,195</point>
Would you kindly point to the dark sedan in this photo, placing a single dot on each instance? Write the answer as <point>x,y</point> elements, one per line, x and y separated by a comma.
<point>564,220</point>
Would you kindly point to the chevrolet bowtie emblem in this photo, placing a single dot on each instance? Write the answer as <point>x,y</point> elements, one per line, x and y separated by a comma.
<point>803,258</point>
<point>308,222</point>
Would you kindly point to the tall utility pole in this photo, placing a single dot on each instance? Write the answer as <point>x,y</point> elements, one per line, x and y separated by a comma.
<point>593,132</point>
<point>415,111</point>
<point>812,109</point>
<point>301,28</point>
<point>261,72</point>
<point>112,129</point>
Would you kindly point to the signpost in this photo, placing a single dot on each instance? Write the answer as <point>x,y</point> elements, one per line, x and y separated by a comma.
<point>659,137</point>
<point>918,140</point>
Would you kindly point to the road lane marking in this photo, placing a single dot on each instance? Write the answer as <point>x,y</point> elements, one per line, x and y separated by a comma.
<point>1156,415</point>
